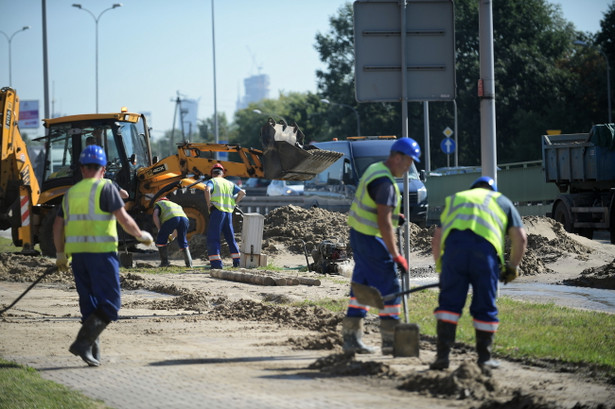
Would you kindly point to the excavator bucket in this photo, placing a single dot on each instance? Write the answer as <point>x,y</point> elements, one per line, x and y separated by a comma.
<point>286,158</point>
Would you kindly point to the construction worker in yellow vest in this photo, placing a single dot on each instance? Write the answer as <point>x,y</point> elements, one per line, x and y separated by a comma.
<point>373,218</point>
<point>221,196</point>
<point>468,248</point>
<point>85,229</point>
<point>172,223</point>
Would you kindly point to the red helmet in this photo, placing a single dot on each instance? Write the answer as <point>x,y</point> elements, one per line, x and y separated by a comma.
<point>217,166</point>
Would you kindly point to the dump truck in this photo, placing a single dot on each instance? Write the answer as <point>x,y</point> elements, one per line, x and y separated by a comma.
<point>582,166</point>
<point>28,205</point>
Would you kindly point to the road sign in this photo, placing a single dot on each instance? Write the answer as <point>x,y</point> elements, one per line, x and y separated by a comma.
<point>429,51</point>
<point>448,132</point>
<point>447,145</point>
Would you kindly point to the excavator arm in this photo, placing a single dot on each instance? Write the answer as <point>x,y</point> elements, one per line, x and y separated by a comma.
<point>19,187</point>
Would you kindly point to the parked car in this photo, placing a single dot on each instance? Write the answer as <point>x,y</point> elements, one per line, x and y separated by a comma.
<point>285,188</point>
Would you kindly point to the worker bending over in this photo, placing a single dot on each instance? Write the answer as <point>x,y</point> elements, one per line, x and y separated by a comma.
<point>169,218</point>
<point>468,248</point>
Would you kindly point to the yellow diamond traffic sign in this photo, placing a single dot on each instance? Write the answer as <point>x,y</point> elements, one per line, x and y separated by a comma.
<point>447,132</point>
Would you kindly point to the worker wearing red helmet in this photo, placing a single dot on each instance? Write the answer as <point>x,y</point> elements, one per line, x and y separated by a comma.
<point>169,218</point>
<point>373,218</point>
<point>85,228</point>
<point>221,196</point>
<point>468,248</point>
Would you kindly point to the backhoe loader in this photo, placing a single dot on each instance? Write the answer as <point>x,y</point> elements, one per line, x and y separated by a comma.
<point>126,140</point>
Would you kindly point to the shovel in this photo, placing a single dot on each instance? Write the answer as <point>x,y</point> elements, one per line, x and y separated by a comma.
<point>406,337</point>
<point>368,295</point>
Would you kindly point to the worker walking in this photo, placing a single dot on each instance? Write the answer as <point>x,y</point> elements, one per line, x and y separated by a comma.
<point>169,218</point>
<point>221,196</point>
<point>373,218</point>
<point>85,228</point>
<point>468,248</point>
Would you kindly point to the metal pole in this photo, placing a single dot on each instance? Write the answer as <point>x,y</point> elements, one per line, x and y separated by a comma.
<point>456,137</point>
<point>426,136</point>
<point>213,41</point>
<point>96,19</point>
<point>487,95</point>
<point>45,66</point>
<point>404,133</point>
<point>10,40</point>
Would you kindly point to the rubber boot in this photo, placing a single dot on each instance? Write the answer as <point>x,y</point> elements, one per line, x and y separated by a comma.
<point>96,349</point>
<point>387,333</point>
<point>484,342</point>
<point>352,334</point>
<point>187,257</point>
<point>164,256</point>
<point>446,339</point>
<point>90,330</point>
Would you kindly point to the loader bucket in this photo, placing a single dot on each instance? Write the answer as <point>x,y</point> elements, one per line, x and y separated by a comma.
<point>285,157</point>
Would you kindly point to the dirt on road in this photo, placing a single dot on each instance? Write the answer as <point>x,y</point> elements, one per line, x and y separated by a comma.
<point>186,314</point>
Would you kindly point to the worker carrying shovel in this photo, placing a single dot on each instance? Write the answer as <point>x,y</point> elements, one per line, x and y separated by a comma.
<point>85,228</point>
<point>373,218</point>
<point>468,248</point>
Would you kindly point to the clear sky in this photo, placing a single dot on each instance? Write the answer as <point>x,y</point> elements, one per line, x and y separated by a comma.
<point>151,49</point>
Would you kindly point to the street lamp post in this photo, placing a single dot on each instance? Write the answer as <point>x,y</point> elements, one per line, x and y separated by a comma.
<point>10,39</point>
<point>608,73</point>
<point>356,113</point>
<point>79,6</point>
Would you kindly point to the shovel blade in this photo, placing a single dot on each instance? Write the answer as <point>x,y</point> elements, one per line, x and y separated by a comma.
<point>126,260</point>
<point>367,295</point>
<point>406,340</point>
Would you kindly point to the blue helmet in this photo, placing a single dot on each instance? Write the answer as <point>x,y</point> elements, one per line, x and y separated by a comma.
<point>93,155</point>
<point>407,146</point>
<point>485,181</point>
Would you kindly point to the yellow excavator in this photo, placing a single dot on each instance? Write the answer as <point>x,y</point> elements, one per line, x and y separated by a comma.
<point>28,206</point>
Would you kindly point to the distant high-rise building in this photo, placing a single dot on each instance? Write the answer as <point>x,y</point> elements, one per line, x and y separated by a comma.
<point>256,89</point>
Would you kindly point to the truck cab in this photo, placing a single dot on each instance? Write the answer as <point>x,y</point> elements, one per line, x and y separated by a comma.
<point>336,186</point>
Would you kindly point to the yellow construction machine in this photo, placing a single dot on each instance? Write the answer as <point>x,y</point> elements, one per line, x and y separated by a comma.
<point>28,206</point>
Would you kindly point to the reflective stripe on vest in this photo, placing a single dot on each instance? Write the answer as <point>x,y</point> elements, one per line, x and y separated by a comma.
<point>169,210</point>
<point>88,229</point>
<point>476,210</point>
<point>363,215</point>
<point>222,196</point>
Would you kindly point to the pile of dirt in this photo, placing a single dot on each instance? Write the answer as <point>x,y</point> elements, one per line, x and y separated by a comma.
<point>596,277</point>
<point>467,381</point>
<point>293,225</point>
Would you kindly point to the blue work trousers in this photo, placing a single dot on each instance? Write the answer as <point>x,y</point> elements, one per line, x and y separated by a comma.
<point>97,280</point>
<point>373,266</point>
<point>175,223</point>
<point>221,222</point>
<point>469,259</point>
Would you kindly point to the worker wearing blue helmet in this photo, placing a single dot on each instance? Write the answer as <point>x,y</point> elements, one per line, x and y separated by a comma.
<point>373,218</point>
<point>468,247</point>
<point>85,229</point>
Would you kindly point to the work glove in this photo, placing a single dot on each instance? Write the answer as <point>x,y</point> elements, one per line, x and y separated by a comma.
<point>508,274</point>
<point>402,220</point>
<point>171,238</point>
<point>62,262</point>
<point>402,263</point>
<point>145,238</point>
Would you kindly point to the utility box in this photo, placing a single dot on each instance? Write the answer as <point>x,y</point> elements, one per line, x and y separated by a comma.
<point>252,241</point>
